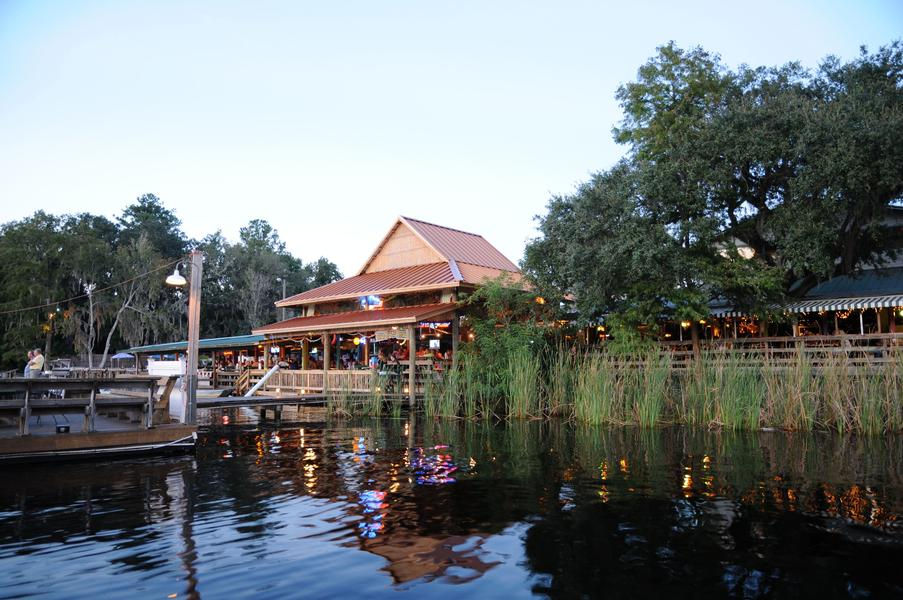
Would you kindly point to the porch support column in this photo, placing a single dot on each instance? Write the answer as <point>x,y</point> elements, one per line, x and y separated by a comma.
<point>412,365</point>
<point>456,333</point>
<point>878,314</point>
<point>326,353</point>
<point>305,353</point>
<point>861,323</point>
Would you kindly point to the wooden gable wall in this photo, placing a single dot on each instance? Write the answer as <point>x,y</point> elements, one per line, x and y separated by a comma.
<point>403,248</point>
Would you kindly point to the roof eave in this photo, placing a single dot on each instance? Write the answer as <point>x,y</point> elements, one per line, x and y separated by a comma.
<point>356,325</point>
<point>288,303</point>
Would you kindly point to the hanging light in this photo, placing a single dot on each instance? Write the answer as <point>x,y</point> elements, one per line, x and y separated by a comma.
<point>176,279</point>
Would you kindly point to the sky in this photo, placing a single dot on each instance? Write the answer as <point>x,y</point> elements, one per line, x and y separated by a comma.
<point>330,119</point>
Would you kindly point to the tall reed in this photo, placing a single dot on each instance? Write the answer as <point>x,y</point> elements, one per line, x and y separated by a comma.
<point>598,389</point>
<point>794,390</point>
<point>653,381</point>
<point>338,403</point>
<point>559,382</point>
<point>434,400</point>
<point>521,382</point>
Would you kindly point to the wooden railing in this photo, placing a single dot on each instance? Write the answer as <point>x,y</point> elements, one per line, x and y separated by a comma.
<point>55,396</point>
<point>300,382</point>
<point>873,349</point>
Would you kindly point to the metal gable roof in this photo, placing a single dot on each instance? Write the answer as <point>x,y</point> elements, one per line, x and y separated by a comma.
<point>461,246</point>
<point>469,259</point>
<point>868,282</point>
<point>420,277</point>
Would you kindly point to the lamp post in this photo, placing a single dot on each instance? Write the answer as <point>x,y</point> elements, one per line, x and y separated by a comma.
<point>194,322</point>
<point>282,279</point>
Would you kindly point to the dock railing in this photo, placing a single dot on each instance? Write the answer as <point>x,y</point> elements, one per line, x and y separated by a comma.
<point>310,381</point>
<point>29,396</point>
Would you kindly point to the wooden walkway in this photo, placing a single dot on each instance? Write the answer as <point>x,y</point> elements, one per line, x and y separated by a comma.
<point>98,417</point>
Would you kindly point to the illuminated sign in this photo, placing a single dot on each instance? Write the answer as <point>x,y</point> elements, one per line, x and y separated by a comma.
<point>371,302</point>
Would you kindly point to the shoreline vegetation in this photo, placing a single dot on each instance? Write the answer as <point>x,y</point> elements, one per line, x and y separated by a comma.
<point>644,388</point>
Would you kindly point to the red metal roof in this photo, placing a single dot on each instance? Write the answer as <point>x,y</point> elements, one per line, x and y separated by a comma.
<point>436,275</point>
<point>461,246</point>
<point>359,319</point>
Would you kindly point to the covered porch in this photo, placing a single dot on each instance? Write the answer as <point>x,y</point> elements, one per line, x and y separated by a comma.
<point>392,351</point>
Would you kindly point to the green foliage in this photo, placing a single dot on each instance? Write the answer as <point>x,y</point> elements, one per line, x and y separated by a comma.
<point>797,168</point>
<point>45,258</point>
<point>506,321</point>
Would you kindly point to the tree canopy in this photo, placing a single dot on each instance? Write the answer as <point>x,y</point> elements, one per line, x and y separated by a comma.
<point>45,259</point>
<point>738,184</point>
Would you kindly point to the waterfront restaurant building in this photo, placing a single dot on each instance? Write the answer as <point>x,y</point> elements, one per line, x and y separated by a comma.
<point>402,305</point>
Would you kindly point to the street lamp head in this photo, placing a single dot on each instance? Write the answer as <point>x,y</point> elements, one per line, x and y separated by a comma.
<point>176,279</point>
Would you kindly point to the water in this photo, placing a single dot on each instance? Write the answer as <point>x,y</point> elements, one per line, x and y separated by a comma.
<point>380,509</point>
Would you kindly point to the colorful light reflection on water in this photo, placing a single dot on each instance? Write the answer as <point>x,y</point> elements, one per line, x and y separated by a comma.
<point>436,509</point>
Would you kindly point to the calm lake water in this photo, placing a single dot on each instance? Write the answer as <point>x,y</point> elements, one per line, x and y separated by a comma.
<point>382,509</point>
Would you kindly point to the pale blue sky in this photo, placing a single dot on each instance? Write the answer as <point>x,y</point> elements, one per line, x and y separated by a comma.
<point>331,118</point>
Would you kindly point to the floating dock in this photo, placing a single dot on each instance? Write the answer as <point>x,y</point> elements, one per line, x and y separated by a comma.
<point>54,446</point>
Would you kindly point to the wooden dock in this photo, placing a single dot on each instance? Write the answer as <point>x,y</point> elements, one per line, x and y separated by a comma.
<point>111,416</point>
<point>160,439</point>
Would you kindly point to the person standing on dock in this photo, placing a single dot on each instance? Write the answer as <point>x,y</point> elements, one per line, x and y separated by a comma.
<point>28,364</point>
<point>36,365</point>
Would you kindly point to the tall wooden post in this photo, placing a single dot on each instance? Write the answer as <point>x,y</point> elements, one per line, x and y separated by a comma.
<point>194,329</point>
<point>412,365</point>
<point>456,334</point>
<point>305,353</point>
<point>326,348</point>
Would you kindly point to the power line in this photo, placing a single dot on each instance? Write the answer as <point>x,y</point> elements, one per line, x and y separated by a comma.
<point>79,297</point>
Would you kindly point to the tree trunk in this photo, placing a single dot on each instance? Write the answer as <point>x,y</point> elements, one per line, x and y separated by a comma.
<point>106,349</point>
<point>694,333</point>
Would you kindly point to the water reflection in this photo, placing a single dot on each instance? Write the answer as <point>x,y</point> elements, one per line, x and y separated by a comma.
<point>378,508</point>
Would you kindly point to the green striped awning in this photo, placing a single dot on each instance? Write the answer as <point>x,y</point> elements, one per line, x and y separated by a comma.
<point>817,305</point>
<point>235,341</point>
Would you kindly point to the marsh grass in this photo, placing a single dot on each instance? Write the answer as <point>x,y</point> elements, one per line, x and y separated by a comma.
<point>339,403</point>
<point>559,382</point>
<point>800,391</point>
<point>651,389</point>
<point>599,388</point>
<point>521,381</point>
